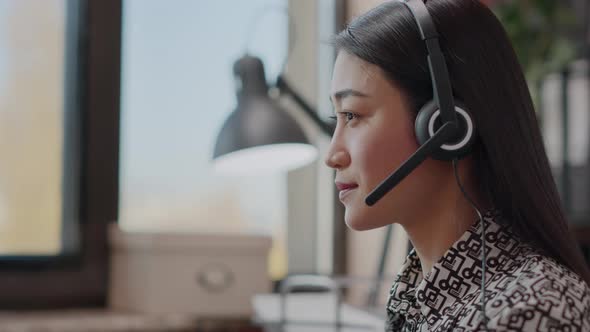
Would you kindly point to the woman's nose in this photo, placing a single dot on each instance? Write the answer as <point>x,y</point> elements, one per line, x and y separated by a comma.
<point>337,159</point>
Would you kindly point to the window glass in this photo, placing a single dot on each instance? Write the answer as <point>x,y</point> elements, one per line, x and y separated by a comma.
<point>177,89</point>
<point>36,86</point>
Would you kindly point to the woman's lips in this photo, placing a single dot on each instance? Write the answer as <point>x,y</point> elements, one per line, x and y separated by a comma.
<point>344,186</point>
<point>345,189</point>
<point>343,193</point>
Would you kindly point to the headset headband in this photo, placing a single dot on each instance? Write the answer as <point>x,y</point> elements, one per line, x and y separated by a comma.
<point>439,75</point>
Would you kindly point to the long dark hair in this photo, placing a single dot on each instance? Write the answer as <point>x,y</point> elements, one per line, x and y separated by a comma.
<point>510,161</point>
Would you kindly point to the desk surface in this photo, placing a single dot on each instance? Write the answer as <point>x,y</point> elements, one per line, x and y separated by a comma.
<point>313,312</point>
<point>94,320</point>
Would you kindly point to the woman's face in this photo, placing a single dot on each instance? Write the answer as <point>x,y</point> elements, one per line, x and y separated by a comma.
<point>374,136</point>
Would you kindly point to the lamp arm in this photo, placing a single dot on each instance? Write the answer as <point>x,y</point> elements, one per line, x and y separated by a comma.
<point>284,87</point>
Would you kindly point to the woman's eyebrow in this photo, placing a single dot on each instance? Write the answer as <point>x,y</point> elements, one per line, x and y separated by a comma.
<point>339,95</point>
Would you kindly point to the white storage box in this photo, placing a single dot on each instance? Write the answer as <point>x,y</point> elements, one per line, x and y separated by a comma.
<point>212,276</point>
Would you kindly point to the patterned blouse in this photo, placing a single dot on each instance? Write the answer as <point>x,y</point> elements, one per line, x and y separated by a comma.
<point>526,291</point>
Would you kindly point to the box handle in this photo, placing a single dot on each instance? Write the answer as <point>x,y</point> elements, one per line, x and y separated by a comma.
<point>215,277</point>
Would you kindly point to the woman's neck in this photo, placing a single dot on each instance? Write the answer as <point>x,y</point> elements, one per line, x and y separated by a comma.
<point>433,231</point>
<point>434,235</point>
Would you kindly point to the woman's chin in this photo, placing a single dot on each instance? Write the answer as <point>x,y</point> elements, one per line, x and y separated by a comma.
<point>364,221</point>
<point>357,224</point>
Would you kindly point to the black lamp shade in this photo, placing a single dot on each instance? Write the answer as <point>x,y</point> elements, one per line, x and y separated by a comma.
<point>259,135</point>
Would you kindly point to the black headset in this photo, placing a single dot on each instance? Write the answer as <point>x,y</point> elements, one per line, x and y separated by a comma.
<point>444,127</point>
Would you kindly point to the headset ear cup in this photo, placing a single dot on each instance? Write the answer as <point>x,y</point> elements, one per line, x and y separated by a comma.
<point>460,146</point>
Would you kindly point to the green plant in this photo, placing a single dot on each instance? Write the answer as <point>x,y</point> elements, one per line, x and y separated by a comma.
<point>543,33</point>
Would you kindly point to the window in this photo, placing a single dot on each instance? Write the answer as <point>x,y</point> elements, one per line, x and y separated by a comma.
<point>61,110</point>
<point>177,89</point>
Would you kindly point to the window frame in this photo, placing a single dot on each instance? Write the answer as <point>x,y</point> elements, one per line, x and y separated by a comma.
<point>319,217</point>
<point>81,279</point>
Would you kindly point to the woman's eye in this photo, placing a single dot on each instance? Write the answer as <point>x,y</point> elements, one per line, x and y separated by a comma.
<point>347,116</point>
<point>350,116</point>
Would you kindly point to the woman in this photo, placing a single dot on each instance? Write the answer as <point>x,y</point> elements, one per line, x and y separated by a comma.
<point>535,277</point>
